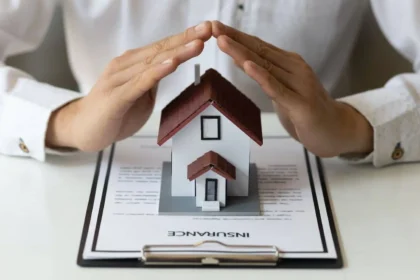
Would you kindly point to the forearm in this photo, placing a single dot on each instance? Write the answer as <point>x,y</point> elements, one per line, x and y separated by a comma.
<point>394,114</point>
<point>356,133</point>
<point>59,133</point>
<point>25,109</point>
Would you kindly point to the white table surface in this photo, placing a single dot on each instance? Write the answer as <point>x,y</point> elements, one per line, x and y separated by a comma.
<point>42,210</point>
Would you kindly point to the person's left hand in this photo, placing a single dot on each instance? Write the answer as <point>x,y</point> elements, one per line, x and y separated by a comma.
<point>324,126</point>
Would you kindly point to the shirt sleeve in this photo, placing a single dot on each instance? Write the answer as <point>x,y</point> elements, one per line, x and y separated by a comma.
<point>26,104</point>
<point>394,110</point>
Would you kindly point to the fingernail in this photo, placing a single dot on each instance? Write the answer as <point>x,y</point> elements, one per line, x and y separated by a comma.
<point>168,61</point>
<point>228,39</point>
<point>190,44</point>
<point>200,27</point>
<point>220,23</point>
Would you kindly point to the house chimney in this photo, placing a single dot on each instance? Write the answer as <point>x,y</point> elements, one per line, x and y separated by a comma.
<point>197,74</point>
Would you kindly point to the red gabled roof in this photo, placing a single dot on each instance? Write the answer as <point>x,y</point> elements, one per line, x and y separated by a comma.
<point>214,161</point>
<point>216,90</point>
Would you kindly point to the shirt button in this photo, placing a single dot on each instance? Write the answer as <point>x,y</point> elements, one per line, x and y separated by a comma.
<point>398,152</point>
<point>23,147</point>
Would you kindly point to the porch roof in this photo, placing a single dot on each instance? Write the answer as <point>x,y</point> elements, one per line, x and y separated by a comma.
<point>211,161</point>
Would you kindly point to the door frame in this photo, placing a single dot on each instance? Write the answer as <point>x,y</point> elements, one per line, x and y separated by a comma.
<point>216,183</point>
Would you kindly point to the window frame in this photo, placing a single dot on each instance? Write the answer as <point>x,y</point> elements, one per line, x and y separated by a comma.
<point>203,118</point>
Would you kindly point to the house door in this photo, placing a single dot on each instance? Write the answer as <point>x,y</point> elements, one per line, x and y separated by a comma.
<point>211,190</point>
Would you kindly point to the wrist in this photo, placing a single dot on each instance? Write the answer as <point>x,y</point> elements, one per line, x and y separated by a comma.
<point>60,126</point>
<point>358,133</point>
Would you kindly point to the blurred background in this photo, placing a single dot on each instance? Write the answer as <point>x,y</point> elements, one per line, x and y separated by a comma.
<point>373,62</point>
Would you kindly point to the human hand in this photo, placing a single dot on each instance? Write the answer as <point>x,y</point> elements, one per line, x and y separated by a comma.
<point>123,98</point>
<point>324,126</point>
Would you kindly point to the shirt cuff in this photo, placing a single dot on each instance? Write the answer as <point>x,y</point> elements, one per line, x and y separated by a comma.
<point>25,117</point>
<point>394,114</point>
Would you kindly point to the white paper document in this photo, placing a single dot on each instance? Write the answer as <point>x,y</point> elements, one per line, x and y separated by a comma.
<point>124,215</point>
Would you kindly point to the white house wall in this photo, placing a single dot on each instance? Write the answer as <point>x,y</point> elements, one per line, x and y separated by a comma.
<point>201,187</point>
<point>187,147</point>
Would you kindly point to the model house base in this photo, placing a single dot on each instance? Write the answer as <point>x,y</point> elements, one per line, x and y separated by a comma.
<point>213,201</point>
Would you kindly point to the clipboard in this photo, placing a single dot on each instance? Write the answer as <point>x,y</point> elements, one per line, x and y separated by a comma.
<point>227,256</point>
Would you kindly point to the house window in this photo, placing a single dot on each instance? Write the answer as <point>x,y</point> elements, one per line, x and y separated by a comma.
<point>210,127</point>
<point>211,190</point>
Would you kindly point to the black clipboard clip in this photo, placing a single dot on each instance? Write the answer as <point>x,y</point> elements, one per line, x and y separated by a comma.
<point>201,255</point>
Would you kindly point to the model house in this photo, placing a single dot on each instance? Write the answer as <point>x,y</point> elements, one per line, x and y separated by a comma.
<point>212,126</point>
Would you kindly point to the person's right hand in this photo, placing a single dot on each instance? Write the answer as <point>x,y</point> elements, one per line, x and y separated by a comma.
<point>122,99</point>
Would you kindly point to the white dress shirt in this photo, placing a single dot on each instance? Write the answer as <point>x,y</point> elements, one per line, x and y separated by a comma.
<point>322,32</point>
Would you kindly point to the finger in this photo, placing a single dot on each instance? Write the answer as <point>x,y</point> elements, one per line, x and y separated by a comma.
<point>240,54</point>
<point>181,53</point>
<point>219,29</point>
<point>277,91</point>
<point>201,31</point>
<point>277,56</point>
<point>140,84</point>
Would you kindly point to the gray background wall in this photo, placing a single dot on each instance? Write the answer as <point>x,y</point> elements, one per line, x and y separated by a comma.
<point>374,60</point>
<point>52,55</point>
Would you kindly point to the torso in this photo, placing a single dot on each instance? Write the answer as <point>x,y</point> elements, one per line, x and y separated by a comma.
<point>322,32</point>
